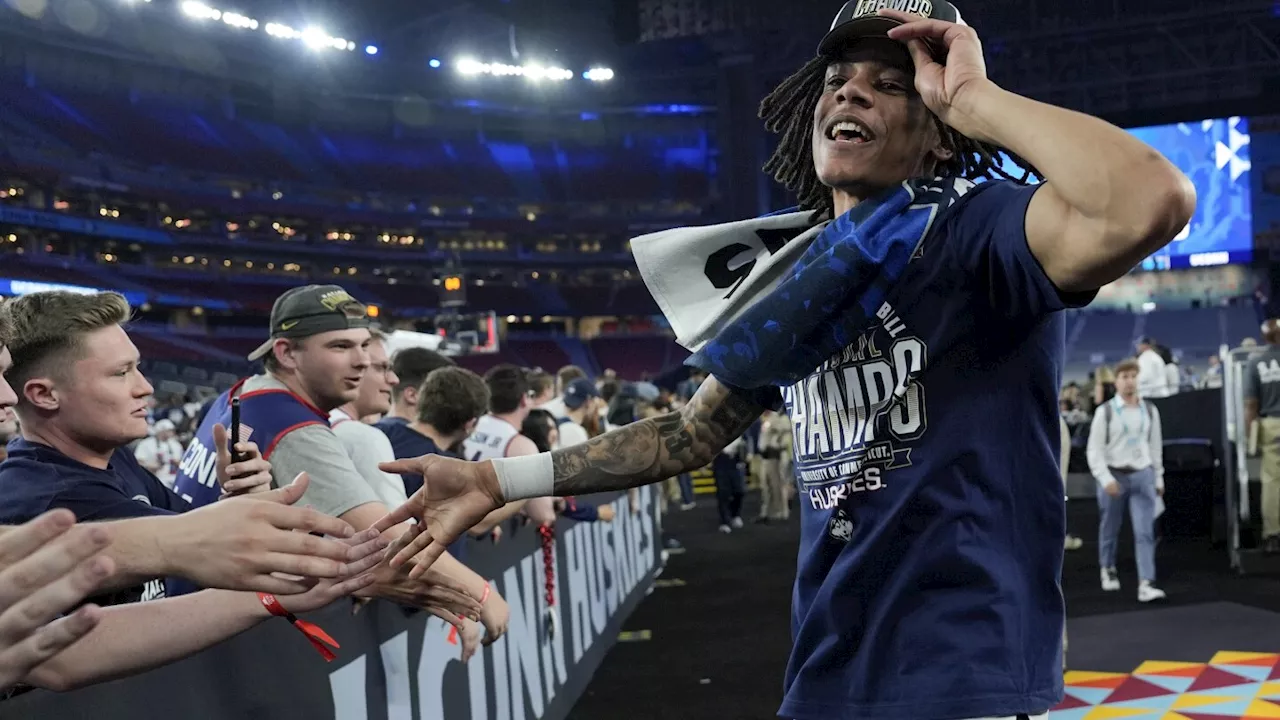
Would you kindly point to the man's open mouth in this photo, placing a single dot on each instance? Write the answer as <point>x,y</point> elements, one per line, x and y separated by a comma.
<point>850,131</point>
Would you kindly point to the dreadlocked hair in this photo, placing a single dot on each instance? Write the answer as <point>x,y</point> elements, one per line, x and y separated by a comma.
<point>788,111</point>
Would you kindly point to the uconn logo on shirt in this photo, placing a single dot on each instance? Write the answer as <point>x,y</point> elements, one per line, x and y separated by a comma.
<point>1268,371</point>
<point>855,417</point>
<point>200,463</point>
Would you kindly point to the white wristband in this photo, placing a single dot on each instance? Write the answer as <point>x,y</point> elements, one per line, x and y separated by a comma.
<point>524,477</point>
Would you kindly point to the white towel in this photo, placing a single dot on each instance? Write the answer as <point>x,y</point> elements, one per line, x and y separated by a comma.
<point>699,275</point>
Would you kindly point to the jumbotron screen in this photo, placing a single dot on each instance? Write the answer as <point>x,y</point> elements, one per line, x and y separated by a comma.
<point>1215,155</point>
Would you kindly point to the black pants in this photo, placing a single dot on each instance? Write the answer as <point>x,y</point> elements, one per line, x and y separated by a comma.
<point>731,488</point>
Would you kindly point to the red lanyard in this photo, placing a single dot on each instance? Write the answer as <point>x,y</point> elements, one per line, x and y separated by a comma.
<point>314,634</point>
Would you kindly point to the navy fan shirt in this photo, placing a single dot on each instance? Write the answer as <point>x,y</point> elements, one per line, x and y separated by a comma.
<point>36,478</point>
<point>926,459</point>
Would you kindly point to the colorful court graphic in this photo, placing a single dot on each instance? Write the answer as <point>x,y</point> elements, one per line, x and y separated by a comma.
<point>1231,685</point>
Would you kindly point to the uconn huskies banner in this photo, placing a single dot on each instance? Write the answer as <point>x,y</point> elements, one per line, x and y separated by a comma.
<point>399,665</point>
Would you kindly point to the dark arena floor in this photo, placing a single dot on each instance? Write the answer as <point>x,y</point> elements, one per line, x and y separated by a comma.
<point>718,629</point>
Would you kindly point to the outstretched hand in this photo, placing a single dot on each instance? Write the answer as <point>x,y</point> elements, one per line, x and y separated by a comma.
<point>435,592</point>
<point>367,550</point>
<point>948,60</point>
<point>455,495</point>
<point>47,567</point>
<point>242,544</point>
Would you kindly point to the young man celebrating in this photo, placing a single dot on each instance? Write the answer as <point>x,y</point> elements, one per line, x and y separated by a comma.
<point>913,325</point>
<point>1126,457</point>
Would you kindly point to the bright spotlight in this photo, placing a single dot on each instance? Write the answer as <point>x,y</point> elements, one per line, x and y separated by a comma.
<point>467,66</point>
<point>598,74</point>
<point>370,49</point>
<point>434,63</point>
<point>200,11</point>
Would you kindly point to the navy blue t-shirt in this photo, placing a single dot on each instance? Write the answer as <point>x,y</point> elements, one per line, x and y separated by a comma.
<point>36,478</point>
<point>409,443</point>
<point>926,458</point>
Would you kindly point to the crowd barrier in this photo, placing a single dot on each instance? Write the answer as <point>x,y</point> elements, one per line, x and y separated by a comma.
<point>402,665</point>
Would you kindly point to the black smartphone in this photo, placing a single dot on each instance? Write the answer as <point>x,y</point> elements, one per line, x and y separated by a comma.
<point>235,430</point>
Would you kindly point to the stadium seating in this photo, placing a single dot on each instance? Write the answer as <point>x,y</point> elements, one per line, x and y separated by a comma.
<point>399,160</point>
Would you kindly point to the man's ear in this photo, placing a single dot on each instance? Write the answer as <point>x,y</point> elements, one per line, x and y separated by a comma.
<point>42,393</point>
<point>942,149</point>
<point>284,350</point>
<point>410,396</point>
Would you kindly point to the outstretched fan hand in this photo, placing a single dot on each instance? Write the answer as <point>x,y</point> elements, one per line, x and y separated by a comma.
<point>455,495</point>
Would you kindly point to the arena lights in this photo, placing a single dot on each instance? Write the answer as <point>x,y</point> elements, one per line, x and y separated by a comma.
<point>313,37</point>
<point>598,75</point>
<point>531,71</point>
<point>200,11</point>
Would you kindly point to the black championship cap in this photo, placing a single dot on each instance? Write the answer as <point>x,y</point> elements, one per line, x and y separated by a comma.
<point>859,19</point>
<point>311,310</point>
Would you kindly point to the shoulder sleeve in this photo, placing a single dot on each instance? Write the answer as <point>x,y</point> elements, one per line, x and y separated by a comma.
<point>987,234</point>
<point>125,463</point>
<point>336,485</point>
<point>368,447</point>
<point>1251,381</point>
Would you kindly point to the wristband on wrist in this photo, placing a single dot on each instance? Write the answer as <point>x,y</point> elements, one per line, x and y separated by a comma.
<point>314,633</point>
<point>485,595</point>
<point>524,477</point>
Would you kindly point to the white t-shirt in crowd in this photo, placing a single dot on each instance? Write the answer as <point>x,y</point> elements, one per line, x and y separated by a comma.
<point>368,447</point>
<point>151,452</point>
<point>571,433</point>
<point>556,407</point>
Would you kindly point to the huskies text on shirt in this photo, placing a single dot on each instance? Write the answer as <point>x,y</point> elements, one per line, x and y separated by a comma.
<point>926,461</point>
<point>36,478</point>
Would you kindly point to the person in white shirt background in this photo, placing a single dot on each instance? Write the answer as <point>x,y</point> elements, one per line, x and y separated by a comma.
<point>1153,378</point>
<point>1125,452</point>
<point>366,445</point>
<point>581,400</point>
<point>161,452</point>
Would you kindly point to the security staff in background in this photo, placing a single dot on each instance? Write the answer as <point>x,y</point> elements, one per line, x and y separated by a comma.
<point>1262,405</point>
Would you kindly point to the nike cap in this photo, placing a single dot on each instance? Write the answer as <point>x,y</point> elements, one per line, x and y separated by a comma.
<point>311,310</point>
<point>860,19</point>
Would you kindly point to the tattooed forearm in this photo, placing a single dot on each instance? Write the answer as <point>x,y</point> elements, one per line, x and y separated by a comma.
<point>657,448</point>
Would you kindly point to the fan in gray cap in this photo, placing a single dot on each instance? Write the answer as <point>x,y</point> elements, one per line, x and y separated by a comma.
<point>311,310</point>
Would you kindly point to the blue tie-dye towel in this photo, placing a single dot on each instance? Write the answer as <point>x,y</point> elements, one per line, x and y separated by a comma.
<point>801,291</point>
